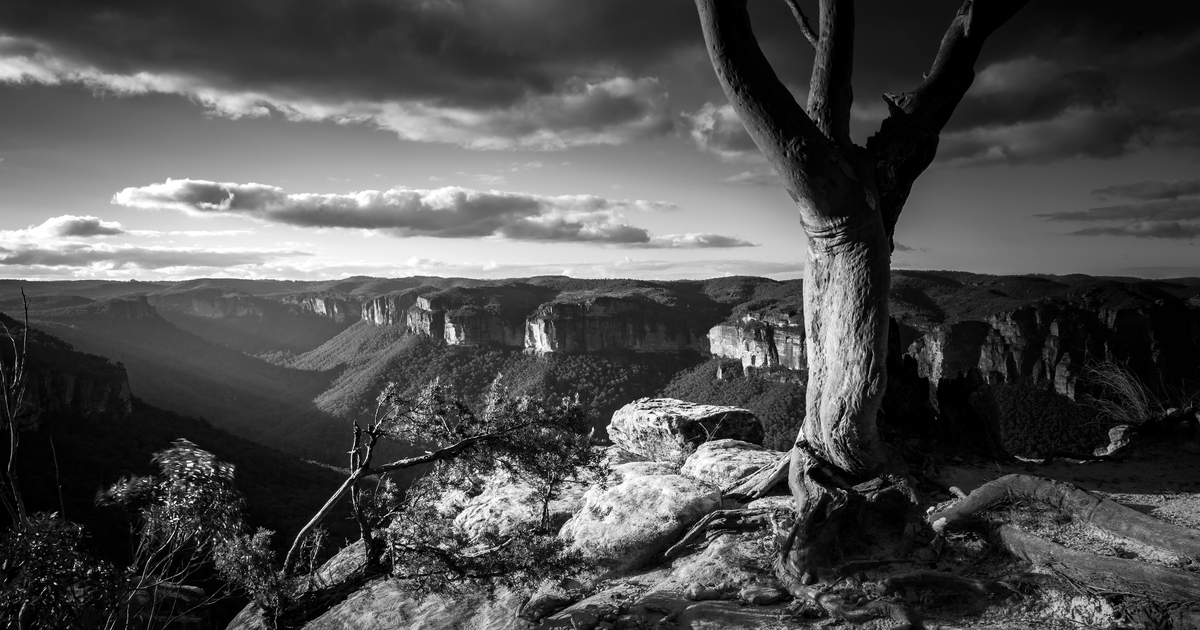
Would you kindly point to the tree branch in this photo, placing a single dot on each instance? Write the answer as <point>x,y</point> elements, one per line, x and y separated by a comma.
<point>907,140</point>
<point>829,91</point>
<point>782,129</point>
<point>802,20</point>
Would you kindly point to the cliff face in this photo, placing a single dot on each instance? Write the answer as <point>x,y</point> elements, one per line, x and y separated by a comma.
<point>390,309</point>
<point>93,397</point>
<point>339,308</point>
<point>210,303</point>
<point>61,381</point>
<point>216,303</point>
<point>610,324</point>
<point>761,343</point>
<point>1052,342</point>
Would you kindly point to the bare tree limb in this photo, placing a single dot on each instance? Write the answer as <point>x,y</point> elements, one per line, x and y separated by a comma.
<point>807,162</point>
<point>907,140</point>
<point>802,20</point>
<point>829,91</point>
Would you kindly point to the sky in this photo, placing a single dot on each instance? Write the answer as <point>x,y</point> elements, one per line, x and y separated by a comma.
<point>312,139</point>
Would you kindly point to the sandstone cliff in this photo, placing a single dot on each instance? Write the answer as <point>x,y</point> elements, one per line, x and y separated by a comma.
<point>768,342</point>
<point>492,315</point>
<point>1052,342</point>
<point>338,307</point>
<point>65,382</point>
<point>210,302</point>
<point>586,323</point>
<point>390,309</point>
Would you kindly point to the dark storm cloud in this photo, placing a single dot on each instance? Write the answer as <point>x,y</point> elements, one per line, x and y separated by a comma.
<point>535,74</point>
<point>1150,190</point>
<point>448,212</point>
<point>1035,111</point>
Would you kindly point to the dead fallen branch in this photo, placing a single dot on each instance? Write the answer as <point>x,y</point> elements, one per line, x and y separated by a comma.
<point>1107,515</point>
<point>1101,574</point>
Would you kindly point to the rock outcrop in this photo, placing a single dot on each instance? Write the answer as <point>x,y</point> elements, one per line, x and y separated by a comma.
<point>507,505</point>
<point>1052,343</point>
<point>476,316</point>
<point>630,524</point>
<point>590,324</point>
<point>772,342</point>
<point>210,303</point>
<point>390,309</point>
<point>723,463</point>
<point>54,393</point>
<point>666,429</point>
<point>339,308</point>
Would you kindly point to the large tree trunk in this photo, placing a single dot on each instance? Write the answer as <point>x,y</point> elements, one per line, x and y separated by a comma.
<point>849,198</point>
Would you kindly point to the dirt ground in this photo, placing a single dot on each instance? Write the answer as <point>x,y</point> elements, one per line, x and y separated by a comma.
<point>1160,479</point>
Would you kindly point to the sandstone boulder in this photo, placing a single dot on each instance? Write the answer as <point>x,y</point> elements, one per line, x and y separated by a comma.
<point>725,462</point>
<point>507,506</point>
<point>641,469</point>
<point>666,429</point>
<point>630,524</point>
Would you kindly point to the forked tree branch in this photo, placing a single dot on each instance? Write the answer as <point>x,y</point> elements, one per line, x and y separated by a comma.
<point>907,140</point>
<point>807,162</point>
<point>802,20</point>
<point>829,91</point>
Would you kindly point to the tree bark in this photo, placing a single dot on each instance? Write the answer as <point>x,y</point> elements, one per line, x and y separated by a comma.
<point>848,217</point>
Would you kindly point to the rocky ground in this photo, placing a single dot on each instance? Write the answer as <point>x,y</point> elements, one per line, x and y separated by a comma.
<point>630,524</point>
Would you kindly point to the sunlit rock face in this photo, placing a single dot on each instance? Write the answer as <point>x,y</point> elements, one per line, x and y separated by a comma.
<point>725,462</point>
<point>600,324</point>
<point>776,342</point>
<point>666,429</point>
<point>390,309</point>
<point>632,523</point>
<point>339,308</point>
<point>476,316</point>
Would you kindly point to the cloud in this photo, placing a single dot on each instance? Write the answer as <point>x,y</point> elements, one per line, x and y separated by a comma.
<point>718,130</point>
<point>622,268</point>
<point>1036,111</point>
<point>766,178</point>
<point>115,257</point>
<point>1170,212</point>
<point>1160,210</point>
<point>1150,190</point>
<point>1146,229</point>
<point>702,240</point>
<point>449,212</point>
<point>74,226</point>
<point>574,111</point>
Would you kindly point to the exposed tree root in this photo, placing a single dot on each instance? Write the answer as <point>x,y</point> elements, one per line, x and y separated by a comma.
<point>1101,574</point>
<point>945,581</point>
<point>849,605</point>
<point>717,524</point>
<point>762,482</point>
<point>1081,504</point>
